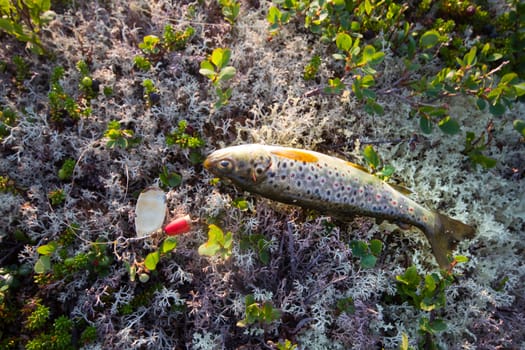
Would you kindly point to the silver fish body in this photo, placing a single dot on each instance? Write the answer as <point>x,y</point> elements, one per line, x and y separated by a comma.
<point>331,185</point>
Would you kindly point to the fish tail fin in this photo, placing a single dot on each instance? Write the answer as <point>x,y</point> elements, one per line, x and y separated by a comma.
<point>445,233</point>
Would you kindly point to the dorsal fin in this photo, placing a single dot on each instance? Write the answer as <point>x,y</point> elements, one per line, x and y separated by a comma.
<point>295,154</point>
<point>357,166</point>
<point>400,188</point>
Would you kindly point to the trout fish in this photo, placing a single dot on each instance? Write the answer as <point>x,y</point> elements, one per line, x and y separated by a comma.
<point>333,186</point>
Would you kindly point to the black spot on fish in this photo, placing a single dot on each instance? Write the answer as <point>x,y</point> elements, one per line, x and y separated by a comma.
<point>300,168</point>
<point>271,174</point>
<point>284,165</point>
<point>298,183</point>
<point>328,193</point>
<point>283,177</point>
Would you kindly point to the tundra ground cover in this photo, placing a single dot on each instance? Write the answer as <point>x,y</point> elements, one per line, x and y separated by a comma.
<point>111,99</point>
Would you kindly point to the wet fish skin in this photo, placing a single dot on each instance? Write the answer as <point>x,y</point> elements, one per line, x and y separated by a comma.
<point>333,186</point>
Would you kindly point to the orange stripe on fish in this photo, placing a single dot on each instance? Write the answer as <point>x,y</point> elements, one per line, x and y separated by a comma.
<point>298,155</point>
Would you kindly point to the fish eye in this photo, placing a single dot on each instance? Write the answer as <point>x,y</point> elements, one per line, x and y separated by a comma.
<point>225,164</point>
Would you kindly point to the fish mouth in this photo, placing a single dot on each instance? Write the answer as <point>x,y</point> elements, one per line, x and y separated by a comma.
<point>208,163</point>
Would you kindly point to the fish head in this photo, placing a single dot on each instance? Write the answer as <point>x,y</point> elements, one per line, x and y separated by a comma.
<point>244,165</point>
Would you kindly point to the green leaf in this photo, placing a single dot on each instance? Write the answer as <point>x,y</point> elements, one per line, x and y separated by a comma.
<point>508,78</point>
<point>427,305</point>
<point>410,277</point>
<point>520,89</point>
<point>47,249</point>
<point>151,261</point>
<point>371,56</point>
<point>429,39</point>
<point>449,126</point>
<point>343,41</point>
<point>436,326</point>
<point>209,248</point>
<point>519,126</point>
<point>43,264</point>
<point>368,7</point>
<point>241,204</point>
<point>494,57</point>
<point>497,109</point>
<point>425,124</point>
<point>207,69</point>
<point>359,248</point>
<point>371,156</point>
<point>376,246</point>
<point>481,103</point>
<point>168,245</point>
<point>404,342</point>
<point>220,57</point>
<point>430,283</point>
<point>274,14</point>
<point>470,58</point>
<point>486,162</point>
<point>368,261</point>
<point>461,259</point>
<point>386,171</point>
<point>227,73</point>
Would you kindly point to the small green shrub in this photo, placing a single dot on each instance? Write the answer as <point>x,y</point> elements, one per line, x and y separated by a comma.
<point>61,105</point>
<point>216,68</point>
<point>155,48</point>
<point>169,179</point>
<point>89,335</point>
<point>118,137</point>
<point>427,293</point>
<point>263,314</point>
<point>259,244</point>
<point>151,93</point>
<point>89,87</point>
<point>57,197</point>
<point>489,70</point>
<point>58,339</point>
<point>66,170</point>
<point>218,243</point>
<point>366,252</point>
<point>311,69</point>
<point>230,10</point>
<point>373,161</point>
<point>38,318</point>
<point>24,21</point>
<point>184,137</point>
<point>345,305</point>
<point>8,120</point>
<point>22,69</point>
<point>286,345</point>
